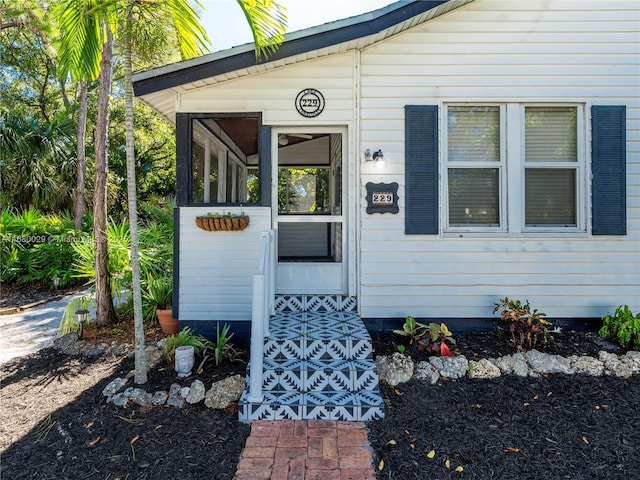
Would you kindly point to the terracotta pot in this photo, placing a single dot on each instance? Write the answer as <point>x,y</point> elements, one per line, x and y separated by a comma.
<point>167,323</point>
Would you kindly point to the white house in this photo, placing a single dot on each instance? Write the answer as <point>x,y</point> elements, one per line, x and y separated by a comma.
<point>425,159</point>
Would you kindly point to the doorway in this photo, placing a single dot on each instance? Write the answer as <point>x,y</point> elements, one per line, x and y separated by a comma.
<point>308,211</point>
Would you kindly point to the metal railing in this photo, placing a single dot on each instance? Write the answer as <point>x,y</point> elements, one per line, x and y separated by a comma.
<point>263,306</point>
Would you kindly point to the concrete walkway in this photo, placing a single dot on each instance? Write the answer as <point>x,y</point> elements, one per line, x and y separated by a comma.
<point>28,331</point>
<point>306,450</point>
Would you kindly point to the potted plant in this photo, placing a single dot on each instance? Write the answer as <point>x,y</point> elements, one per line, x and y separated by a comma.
<point>157,298</point>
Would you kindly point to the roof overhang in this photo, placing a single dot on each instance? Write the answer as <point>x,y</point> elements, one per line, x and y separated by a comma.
<point>335,37</point>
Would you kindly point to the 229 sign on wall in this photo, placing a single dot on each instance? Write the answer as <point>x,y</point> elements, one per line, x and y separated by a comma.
<point>310,103</point>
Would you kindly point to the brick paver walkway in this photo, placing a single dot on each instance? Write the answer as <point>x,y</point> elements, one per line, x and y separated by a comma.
<point>306,450</point>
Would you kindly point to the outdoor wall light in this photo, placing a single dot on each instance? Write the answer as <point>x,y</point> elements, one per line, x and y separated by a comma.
<point>377,157</point>
<point>82,316</point>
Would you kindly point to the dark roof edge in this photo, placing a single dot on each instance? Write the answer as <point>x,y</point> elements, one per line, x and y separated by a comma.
<point>303,41</point>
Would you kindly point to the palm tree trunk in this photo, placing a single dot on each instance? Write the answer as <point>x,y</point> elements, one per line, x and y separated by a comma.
<point>104,302</point>
<point>140,372</point>
<point>80,156</point>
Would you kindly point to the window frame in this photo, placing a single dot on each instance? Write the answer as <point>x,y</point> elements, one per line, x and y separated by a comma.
<point>184,160</point>
<point>579,167</point>
<point>500,166</point>
<point>512,171</point>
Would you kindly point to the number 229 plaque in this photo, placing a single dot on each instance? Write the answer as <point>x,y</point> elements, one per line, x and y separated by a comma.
<point>382,197</point>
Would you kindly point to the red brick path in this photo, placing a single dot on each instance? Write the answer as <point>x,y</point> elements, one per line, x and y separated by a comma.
<point>306,450</point>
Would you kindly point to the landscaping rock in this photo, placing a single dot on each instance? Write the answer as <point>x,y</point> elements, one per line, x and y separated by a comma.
<point>483,369</point>
<point>427,372</point>
<point>450,367</point>
<point>196,392</point>
<point>545,363</point>
<point>94,351</point>
<point>223,393</point>
<point>587,365</point>
<point>159,397</point>
<point>152,357</point>
<point>119,400</point>
<point>114,386</point>
<point>620,367</point>
<point>65,341</point>
<point>396,369</point>
<point>633,359</point>
<point>175,399</point>
<point>140,397</point>
<point>514,364</point>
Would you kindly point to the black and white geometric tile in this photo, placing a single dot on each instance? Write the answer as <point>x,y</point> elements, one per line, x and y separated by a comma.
<point>317,365</point>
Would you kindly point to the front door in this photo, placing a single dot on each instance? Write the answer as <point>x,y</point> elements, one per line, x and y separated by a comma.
<point>309,215</point>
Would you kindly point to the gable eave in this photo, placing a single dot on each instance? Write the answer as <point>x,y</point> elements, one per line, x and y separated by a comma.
<point>334,37</point>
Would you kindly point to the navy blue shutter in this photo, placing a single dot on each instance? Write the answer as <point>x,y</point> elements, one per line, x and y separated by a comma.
<point>421,169</point>
<point>608,166</point>
<point>264,156</point>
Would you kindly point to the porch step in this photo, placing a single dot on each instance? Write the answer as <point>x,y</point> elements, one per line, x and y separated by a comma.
<point>317,365</point>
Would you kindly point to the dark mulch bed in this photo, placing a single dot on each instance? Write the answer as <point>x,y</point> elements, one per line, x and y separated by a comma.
<point>552,427</point>
<point>55,423</point>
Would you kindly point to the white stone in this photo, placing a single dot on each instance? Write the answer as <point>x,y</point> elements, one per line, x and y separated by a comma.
<point>546,363</point>
<point>450,367</point>
<point>223,393</point>
<point>587,365</point>
<point>514,364</point>
<point>396,369</point>
<point>196,392</point>
<point>617,367</point>
<point>427,372</point>
<point>483,369</point>
<point>114,386</point>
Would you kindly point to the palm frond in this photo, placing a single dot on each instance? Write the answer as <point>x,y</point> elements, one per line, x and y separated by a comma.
<point>268,22</point>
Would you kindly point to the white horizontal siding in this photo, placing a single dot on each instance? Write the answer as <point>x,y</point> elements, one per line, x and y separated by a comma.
<point>217,268</point>
<point>274,93</point>
<point>502,51</point>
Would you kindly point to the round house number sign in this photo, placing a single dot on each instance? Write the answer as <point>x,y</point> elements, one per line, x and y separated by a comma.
<point>310,103</point>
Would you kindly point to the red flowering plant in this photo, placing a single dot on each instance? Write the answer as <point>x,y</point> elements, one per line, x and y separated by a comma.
<point>527,327</point>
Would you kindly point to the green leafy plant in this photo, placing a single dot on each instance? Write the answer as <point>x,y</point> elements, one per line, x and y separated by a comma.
<point>157,294</point>
<point>527,327</point>
<point>219,350</point>
<point>68,322</point>
<point>623,327</point>
<point>185,337</point>
<point>400,348</point>
<point>437,336</point>
<point>412,329</point>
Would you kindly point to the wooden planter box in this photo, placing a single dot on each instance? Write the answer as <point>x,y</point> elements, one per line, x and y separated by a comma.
<point>222,224</point>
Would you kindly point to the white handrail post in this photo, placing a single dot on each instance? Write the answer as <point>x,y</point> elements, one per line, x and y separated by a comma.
<point>272,272</point>
<point>257,340</point>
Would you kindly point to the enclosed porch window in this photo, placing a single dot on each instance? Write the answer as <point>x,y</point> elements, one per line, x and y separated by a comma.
<point>223,159</point>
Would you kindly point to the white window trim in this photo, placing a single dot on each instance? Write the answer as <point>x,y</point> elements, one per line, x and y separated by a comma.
<point>501,166</point>
<point>580,166</point>
<point>512,170</point>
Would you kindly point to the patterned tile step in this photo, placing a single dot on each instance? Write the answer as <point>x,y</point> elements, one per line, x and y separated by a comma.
<point>332,405</point>
<point>312,349</point>
<point>318,375</point>
<point>318,326</point>
<point>316,303</point>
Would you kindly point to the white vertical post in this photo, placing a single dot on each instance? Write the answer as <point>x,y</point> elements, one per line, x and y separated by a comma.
<point>257,340</point>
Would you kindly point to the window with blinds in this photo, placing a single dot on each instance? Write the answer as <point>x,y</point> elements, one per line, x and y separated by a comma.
<point>551,166</point>
<point>474,164</point>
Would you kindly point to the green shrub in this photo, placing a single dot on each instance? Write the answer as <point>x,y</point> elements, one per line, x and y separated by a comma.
<point>622,327</point>
<point>183,338</point>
